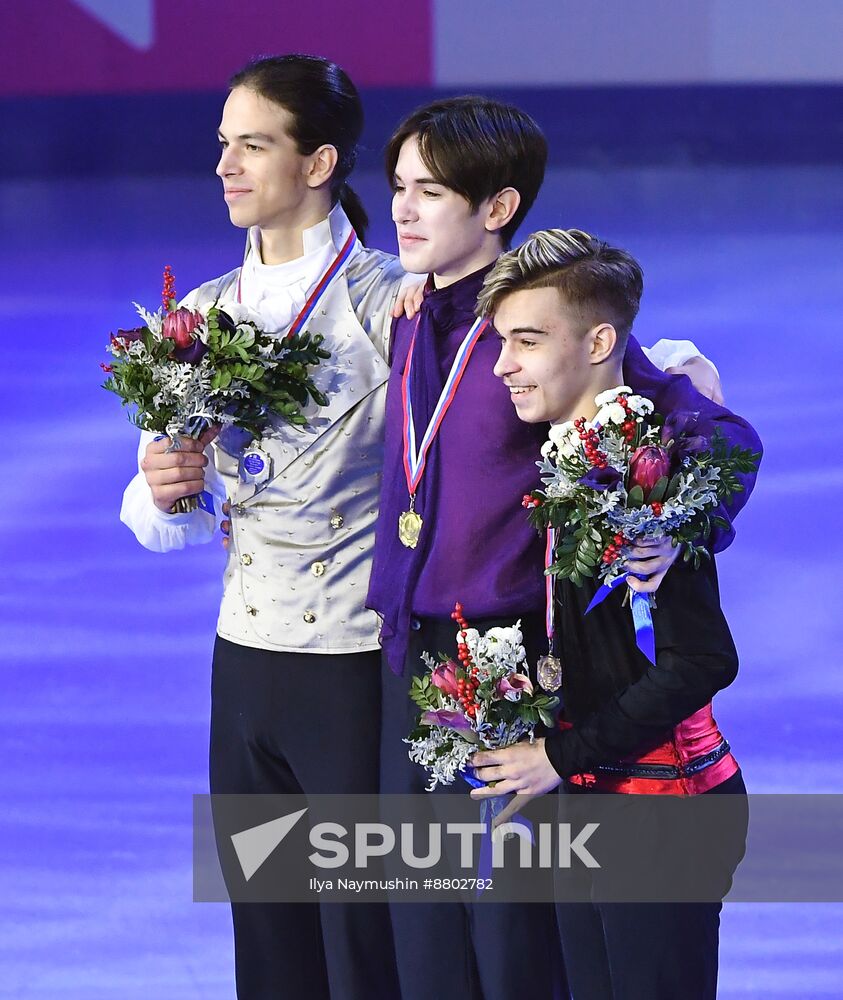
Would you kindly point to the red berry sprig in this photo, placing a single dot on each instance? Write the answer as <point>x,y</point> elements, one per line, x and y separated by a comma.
<point>657,508</point>
<point>467,687</point>
<point>613,549</point>
<point>530,501</point>
<point>628,426</point>
<point>591,439</point>
<point>169,291</point>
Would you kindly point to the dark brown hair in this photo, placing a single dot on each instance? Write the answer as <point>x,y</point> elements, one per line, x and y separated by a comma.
<point>326,110</point>
<point>476,147</point>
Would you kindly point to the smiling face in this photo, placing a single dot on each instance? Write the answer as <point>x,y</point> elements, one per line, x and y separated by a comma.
<point>263,173</point>
<point>437,229</point>
<point>551,361</point>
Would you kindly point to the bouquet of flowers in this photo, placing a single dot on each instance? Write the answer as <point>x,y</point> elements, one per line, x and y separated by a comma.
<point>188,369</point>
<point>485,699</point>
<point>630,474</point>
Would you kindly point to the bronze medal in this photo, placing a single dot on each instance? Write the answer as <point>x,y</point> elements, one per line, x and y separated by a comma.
<point>549,672</point>
<point>409,528</point>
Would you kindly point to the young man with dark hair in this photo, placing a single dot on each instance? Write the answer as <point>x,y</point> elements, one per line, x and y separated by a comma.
<point>475,148</point>
<point>304,503</point>
<point>464,173</point>
<point>563,305</point>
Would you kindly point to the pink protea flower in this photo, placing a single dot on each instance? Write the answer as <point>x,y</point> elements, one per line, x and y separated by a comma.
<point>647,465</point>
<point>179,326</point>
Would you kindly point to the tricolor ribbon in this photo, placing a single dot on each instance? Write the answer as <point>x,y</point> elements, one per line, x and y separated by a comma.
<point>641,618</point>
<point>548,586</point>
<point>415,458</point>
<point>322,285</point>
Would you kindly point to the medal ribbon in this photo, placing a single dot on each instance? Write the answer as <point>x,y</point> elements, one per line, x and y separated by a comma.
<point>415,458</point>
<point>321,286</point>
<point>548,587</point>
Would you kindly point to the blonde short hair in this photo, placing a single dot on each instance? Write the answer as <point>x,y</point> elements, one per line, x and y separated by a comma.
<point>602,282</point>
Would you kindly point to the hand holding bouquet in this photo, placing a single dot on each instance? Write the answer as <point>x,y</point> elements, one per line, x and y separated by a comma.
<point>484,699</point>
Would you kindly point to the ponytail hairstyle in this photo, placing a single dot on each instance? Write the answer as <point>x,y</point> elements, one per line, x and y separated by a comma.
<point>325,109</point>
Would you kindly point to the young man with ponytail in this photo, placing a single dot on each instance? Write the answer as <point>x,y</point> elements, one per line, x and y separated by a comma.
<point>302,512</point>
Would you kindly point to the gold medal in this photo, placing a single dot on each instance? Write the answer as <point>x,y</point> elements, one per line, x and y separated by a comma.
<point>409,528</point>
<point>549,672</point>
<point>415,454</point>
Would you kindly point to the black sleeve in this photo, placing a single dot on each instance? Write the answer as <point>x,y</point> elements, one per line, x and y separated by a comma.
<point>695,658</point>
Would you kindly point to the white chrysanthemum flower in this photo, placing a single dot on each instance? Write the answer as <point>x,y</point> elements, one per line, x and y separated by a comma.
<point>471,639</point>
<point>509,635</point>
<point>566,438</point>
<point>640,405</point>
<point>610,413</point>
<point>548,449</point>
<point>610,395</point>
<point>559,433</point>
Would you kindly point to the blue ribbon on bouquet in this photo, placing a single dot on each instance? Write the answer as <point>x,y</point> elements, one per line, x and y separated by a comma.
<point>642,619</point>
<point>489,809</point>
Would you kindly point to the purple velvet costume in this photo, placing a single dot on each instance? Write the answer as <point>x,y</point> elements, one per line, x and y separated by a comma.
<point>476,545</point>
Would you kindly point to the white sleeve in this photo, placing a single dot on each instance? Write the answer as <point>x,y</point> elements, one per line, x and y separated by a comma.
<point>162,532</point>
<point>666,354</point>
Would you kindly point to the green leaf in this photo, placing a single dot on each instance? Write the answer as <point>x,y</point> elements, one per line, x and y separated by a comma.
<point>635,497</point>
<point>658,491</point>
<point>673,485</point>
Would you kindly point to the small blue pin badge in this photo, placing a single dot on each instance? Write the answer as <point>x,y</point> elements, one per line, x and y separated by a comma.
<point>255,466</point>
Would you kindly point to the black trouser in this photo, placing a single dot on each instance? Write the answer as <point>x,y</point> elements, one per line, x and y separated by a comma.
<point>293,723</point>
<point>452,951</point>
<point>646,951</point>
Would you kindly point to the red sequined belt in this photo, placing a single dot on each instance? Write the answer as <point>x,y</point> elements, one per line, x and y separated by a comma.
<point>693,760</point>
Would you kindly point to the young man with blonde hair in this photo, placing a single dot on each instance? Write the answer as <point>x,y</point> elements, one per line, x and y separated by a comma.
<point>563,304</point>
